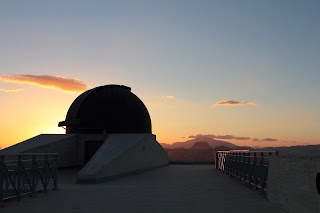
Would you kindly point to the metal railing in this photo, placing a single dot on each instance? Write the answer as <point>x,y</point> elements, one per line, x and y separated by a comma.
<point>26,174</point>
<point>191,156</point>
<point>248,166</point>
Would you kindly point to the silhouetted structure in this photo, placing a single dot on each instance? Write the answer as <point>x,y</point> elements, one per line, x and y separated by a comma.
<point>108,133</point>
<point>107,109</point>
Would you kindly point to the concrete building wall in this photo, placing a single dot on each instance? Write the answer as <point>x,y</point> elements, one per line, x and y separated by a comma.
<point>123,154</point>
<point>70,147</point>
<point>64,145</point>
<point>292,184</point>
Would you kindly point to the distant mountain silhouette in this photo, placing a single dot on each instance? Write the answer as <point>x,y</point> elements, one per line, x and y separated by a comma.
<point>222,148</point>
<point>201,146</point>
<point>296,151</point>
<point>188,144</point>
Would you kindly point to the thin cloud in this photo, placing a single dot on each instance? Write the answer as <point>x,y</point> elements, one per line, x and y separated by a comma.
<point>10,90</point>
<point>242,138</point>
<point>169,97</point>
<point>225,137</point>
<point>232,137</point>
<point>269,139</point>
<point>56,82</point>
<point>200,135</point>
<point>233,103</point>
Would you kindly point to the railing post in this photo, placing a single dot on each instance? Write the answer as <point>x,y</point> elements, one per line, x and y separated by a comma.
<point>241,165</point>
<point>260,167</point>
<point>251,177</point>
<point>18,178</point>
<point>217,160</point>
<point>33,175</point>
<point>226,162</point>
<point>247,166</point>
<point>46,171</point>
<point>1,179</point>
<point>54,175</point>
<point>237,165</point>
<point>266,173</point>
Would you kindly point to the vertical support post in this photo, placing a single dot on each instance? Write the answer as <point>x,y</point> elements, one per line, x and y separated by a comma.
<point>46,171</point>
<point>34,175</point>
<point>217,160</point>
<point>260,167</point>
<point>241,164</point>
<point>225,162</point>
<point>238,155</point>
<point>251,176</point>
<point>1,179</point>
<point>231,163</point>
<point>18,183</point>
<point>246,172</point>
<point>54,175</point>
<point>264,183</point>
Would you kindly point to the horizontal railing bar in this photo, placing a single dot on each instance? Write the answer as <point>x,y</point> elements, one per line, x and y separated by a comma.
<point>28,154</point>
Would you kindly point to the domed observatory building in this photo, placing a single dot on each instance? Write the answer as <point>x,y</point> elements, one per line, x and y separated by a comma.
<point>107,109</point>
<point>108,132</point>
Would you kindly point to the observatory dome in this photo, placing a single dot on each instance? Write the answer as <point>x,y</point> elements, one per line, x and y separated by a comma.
<point>107,109</point>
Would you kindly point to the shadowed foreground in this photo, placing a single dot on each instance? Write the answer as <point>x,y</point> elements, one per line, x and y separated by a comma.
<point>176,188</point>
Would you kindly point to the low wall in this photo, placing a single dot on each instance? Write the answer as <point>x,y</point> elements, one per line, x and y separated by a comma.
<point>292,183</point>
<point>191,156</point>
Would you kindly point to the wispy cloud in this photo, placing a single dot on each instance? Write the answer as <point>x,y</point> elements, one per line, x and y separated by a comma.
<point>169,97</point>
<point>232,137</point>
<point>10,90</point>
<point>225,137</point>
<point>233,103</point>
<point>56,82</point>
<point>269,139</point>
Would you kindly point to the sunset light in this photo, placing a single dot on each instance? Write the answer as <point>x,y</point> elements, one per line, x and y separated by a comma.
<point>248,70</point>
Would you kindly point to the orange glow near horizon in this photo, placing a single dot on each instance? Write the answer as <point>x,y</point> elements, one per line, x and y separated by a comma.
<point>35,111</point>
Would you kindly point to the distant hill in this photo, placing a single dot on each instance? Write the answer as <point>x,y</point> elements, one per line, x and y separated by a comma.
<point>296,151</point>
<point>291,151</point>
<point>212,143</point>
<point>221,148</point>
<point>201,146</point>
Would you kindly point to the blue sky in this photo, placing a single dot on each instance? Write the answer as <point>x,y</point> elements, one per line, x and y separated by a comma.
<point>201,52</point>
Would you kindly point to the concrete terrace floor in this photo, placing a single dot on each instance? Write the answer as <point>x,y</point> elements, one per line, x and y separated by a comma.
<point>175,188</point>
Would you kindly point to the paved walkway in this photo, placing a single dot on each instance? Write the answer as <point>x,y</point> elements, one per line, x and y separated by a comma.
<point>176,188</point>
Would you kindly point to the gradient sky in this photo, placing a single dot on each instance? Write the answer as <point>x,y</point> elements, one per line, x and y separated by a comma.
<point>246,69</point>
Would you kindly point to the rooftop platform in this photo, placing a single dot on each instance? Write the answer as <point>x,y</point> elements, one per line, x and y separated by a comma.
<point>175,188</point>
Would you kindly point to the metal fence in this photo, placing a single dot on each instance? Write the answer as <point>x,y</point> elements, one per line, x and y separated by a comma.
<point>190,156</point>
<point>26,174</point>
<point>248,166</point>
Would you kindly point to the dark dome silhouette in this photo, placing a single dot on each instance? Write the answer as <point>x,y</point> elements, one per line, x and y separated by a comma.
<point>109,109</point>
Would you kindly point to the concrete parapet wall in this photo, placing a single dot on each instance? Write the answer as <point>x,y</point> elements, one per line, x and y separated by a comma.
<point>191,156</point>
<point>292,184</point>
